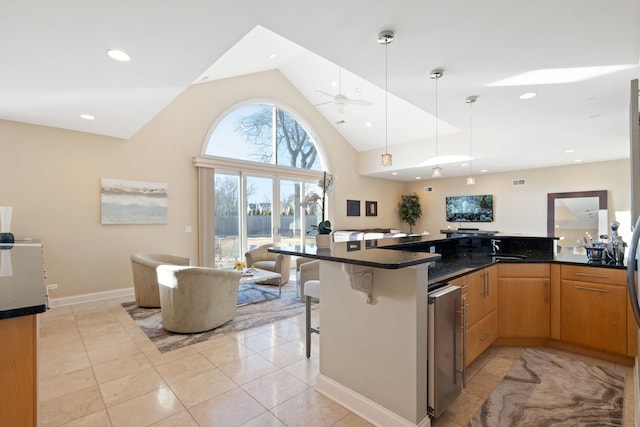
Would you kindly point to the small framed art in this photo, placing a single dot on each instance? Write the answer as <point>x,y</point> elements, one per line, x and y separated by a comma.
<point>371,208</point>
<point>353,207</point>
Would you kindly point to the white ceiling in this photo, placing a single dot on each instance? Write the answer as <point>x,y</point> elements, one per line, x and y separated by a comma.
<point>54,68</point>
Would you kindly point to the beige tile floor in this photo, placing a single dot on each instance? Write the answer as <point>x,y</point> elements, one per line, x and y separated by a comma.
<point>97,368</point>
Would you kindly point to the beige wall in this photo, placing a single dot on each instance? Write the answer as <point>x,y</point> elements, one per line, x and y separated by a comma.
<point>523,209</point>
<point>52,179</point>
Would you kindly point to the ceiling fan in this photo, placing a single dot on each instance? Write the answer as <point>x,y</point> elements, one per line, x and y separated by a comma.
<point>341,100</point>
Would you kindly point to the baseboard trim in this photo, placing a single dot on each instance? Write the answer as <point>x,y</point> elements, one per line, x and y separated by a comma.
<point>362,406</point>
<point>95,296</point>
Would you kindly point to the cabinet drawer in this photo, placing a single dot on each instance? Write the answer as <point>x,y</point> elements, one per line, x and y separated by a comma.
<point>481,335</point>
<point>523,270</point>
<point>594,315</point>
<point>607,276</point>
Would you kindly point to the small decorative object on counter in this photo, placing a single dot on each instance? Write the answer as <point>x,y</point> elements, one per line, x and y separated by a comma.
<point>5,225</point>
<point>615,246</point>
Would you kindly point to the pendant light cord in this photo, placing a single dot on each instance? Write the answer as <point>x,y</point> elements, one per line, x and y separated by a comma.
<point>386,99</point>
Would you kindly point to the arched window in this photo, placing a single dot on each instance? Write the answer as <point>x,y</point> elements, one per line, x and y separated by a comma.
<point>259,169</point>
<point>264,133</point>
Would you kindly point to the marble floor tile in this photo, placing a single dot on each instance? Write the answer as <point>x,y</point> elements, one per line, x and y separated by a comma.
<point>130,386</point>
<point>275,388</point>
<point>184,368</point>
<point>285,354</point>
<point>309,408</point>
<point>119,368</point>
<point>97,419</point>
<point>60,385</point>
<point>248,369</point>
<point>70,407</point>
<point>232,408</point>
<point>266,419</point>
<point>226,353</point>
<point>352,420</point>
<point>181,419</point>
<point>203,386</point>
<point>113,351</point>
<point>146,409</point>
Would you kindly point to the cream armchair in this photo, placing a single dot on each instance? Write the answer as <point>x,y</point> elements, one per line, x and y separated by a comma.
<point>261,258</point>
<point>197,299</point>
<point>145,280</point>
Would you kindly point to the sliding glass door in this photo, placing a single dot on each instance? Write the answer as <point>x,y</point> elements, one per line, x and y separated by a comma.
<point>251,210</point>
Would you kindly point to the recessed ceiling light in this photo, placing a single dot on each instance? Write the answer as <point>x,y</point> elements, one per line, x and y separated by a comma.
<point>528,95</point>
<point>334,83</point>
<point>577,160</point>
<point>118,55</point>
<point>394,173</point>
<point>273,56</point>
<point>570,151</point>
<point>368,124</point>
<point>87,117</point>
<point>484,171</point>
<point>417,177</point>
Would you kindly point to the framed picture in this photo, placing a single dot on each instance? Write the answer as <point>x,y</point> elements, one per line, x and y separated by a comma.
<point>353,207</point>
<point>133,202</point>
<point>371,208</point>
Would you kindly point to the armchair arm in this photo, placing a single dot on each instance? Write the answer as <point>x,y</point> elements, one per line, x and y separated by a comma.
<point>259,254</point>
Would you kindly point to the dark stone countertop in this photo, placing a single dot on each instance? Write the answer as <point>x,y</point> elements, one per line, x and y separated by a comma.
<point>447,258</point>
<point>22,290</point>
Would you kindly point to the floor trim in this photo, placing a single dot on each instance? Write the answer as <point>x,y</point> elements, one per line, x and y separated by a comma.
<point>95,296</point>
<point>362,406</point>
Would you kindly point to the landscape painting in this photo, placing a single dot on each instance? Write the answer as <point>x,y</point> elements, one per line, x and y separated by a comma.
<point>133,202</point>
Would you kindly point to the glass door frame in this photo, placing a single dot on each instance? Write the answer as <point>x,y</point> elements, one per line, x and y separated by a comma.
<point>207,167</point>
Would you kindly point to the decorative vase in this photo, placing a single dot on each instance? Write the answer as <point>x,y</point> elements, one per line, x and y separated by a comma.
<point>5,224</point>
<point>323,240</point>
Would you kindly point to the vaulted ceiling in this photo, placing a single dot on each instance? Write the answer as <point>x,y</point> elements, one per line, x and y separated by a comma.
<point>578,56</point>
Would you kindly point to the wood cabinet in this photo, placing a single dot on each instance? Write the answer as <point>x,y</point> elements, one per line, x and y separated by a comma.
<point>593,308</point>
<point>18,371</point>
<point>524,301</point>
<point>480,294</point>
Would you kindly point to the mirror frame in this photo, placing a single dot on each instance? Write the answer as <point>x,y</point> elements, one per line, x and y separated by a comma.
<point>551,201</point>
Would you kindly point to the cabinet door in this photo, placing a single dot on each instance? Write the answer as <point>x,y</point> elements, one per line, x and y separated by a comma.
<point>524,308</point>
<point>482,295</point>
<point>594,315</point>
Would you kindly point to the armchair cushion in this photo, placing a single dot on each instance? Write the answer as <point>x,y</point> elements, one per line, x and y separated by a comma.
<point>197,299</point>
<point>309,271</point>
<point>261,258</point>
<point>145,280</point>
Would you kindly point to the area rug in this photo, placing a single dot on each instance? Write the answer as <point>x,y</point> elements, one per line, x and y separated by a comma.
<point>257,306</point>
<point>542,389</point>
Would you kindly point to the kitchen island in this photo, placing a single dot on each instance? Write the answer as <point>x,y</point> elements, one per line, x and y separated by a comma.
<point>373,357</point>
<point>374,333</point>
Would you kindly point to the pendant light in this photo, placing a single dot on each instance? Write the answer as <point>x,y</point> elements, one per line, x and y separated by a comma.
<point>436,172</point>
<point>471,100</point>
<point>386,37</point>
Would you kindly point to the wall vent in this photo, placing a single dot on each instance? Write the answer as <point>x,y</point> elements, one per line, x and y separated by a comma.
<point>518,182</point>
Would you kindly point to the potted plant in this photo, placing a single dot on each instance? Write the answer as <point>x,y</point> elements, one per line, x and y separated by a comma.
<point>323,229</point>
<point>410,209</point>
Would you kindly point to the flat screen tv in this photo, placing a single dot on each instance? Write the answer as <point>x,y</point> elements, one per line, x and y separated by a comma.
<point>470,208</point>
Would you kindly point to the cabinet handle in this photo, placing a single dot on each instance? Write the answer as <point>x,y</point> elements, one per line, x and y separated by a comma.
<point>485,336</point>
<point>486,281</point>
<point>592,289</point>
<point>600,276</point>
<point>548,292</point>
<point>463,311</point>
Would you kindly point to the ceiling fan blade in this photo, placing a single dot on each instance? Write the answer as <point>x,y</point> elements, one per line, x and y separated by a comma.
<point>359,102</point>
<point>325,93</point>
<point>322,103</point>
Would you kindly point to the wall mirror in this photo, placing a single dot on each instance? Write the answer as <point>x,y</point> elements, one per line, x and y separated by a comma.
<point>576,216</point>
